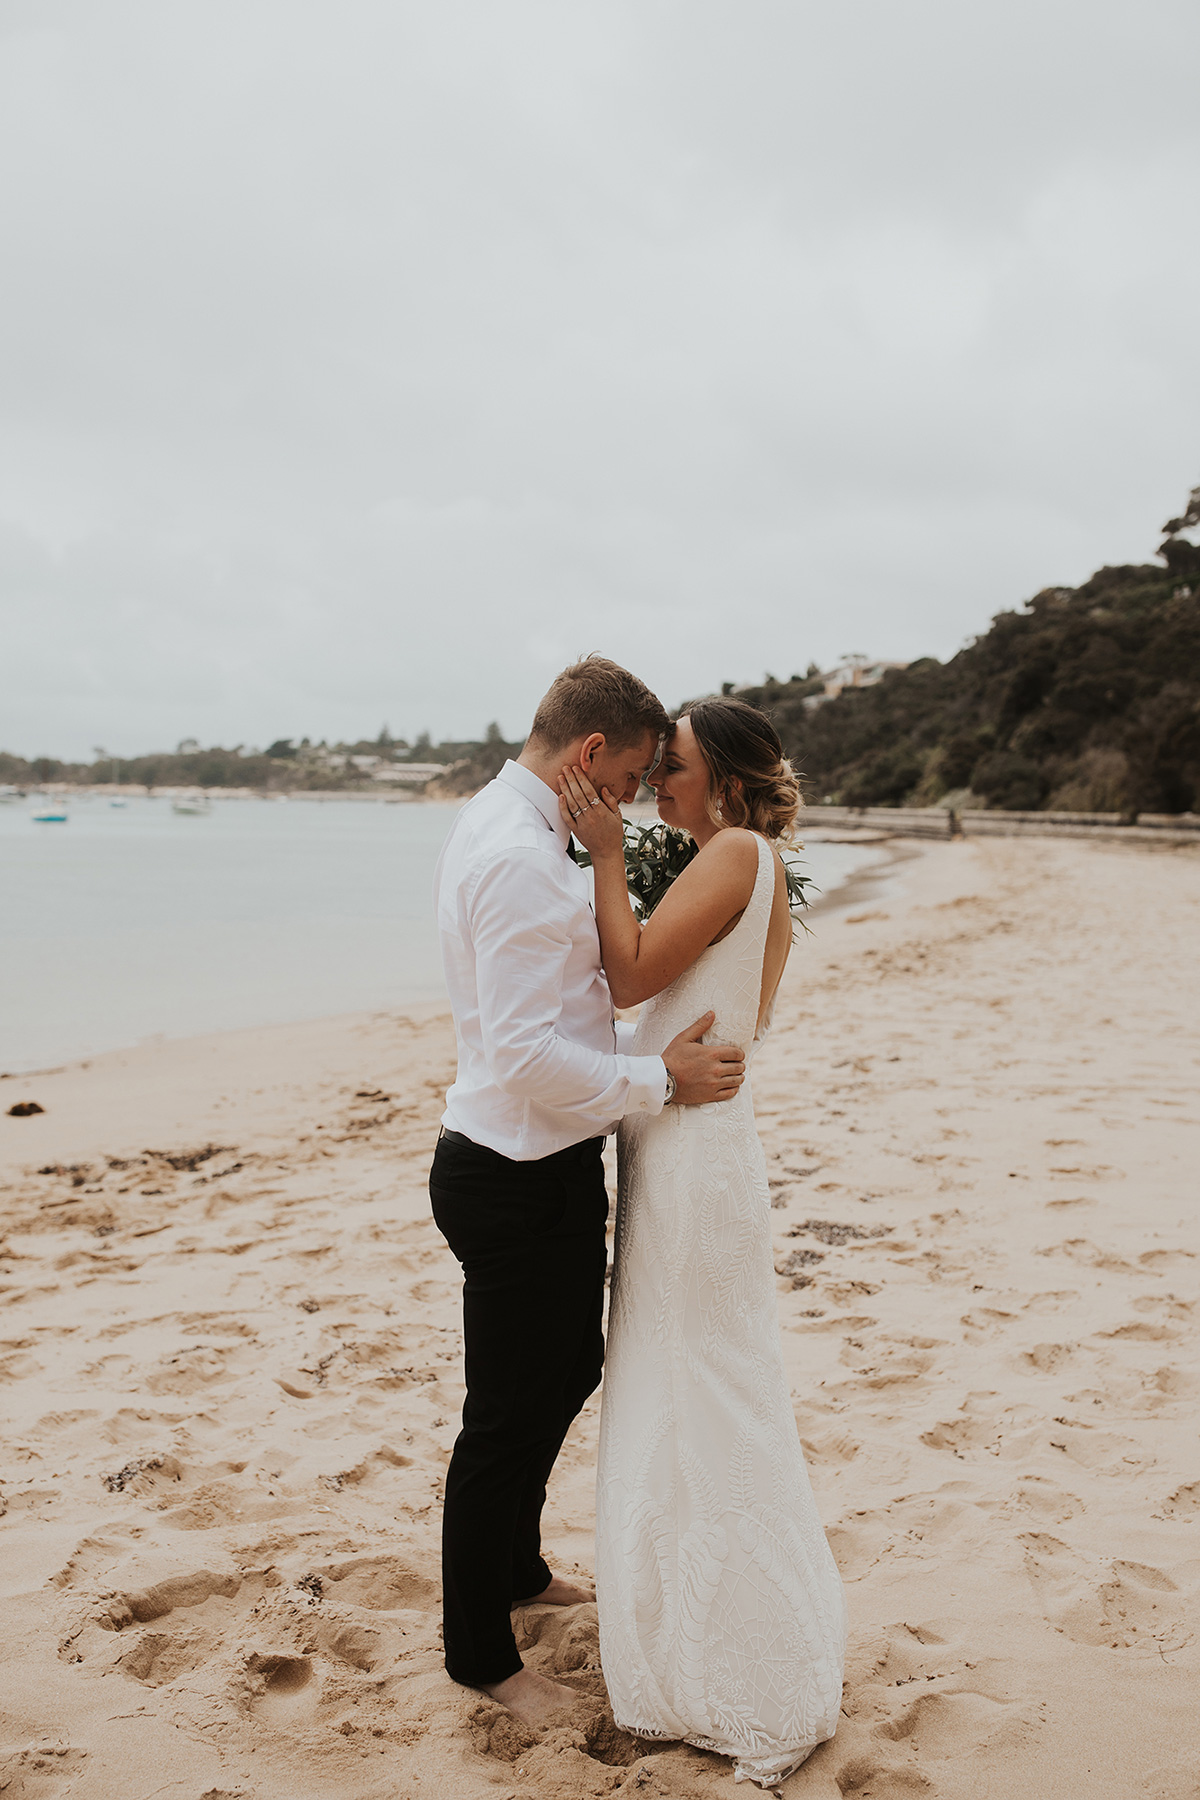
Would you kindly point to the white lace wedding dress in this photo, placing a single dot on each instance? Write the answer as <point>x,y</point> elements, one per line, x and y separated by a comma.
<point>722,1619</point>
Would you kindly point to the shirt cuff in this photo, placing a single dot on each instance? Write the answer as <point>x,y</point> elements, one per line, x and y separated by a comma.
<point>647,1085</point>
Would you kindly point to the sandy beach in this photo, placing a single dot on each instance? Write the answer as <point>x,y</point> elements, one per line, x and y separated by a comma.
<point>230,1368</point>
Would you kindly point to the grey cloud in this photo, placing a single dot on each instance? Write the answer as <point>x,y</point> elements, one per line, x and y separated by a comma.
<point>367,362</point>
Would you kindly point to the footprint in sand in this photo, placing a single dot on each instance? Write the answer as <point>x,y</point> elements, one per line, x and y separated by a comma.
<point>162,1597</point>
<point>1161,1388</point>
<point>1121,1605</point>
<point>849,1293</point>
<point>189,1612</point>
<point>1036,1494</point>
<point>1050,1300</point>
<point>984,1322</point>
<point>40,1771</point>
<point>1048,1359</point>
<point>381,1584</point>
<point>914,1524</point>
<point>887,1361</point>
<point>869,1778</point>
<point>835,1447</point>
<point>159,1656</point>
<point>919,1710</point>
<point>1143,1331</point>
<point>941,1724</point>
<point>356,1645</point>
<point>196,1367</point>
<point>94,1555</point>
<point>1184,1503</point>
<point>1165,1259</point>
<point>1103,1452</point>
<point>276,1651</point>
<point>276,1685</point>
<point>983,1425</point>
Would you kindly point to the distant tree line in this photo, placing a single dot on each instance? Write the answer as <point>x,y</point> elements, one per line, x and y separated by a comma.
<point>285,766</point>
<point>1086,700</point>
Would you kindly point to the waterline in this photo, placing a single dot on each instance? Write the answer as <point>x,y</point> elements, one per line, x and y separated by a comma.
<point>128,924</point>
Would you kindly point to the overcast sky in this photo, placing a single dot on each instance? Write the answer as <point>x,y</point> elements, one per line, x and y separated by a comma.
<point>364,361</point>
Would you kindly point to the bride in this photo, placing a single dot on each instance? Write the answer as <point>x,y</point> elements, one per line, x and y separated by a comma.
<point>722,1619</point>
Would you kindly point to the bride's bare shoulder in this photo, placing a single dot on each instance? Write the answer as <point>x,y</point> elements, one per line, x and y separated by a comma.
<point>732,848</point>
<point>729,858</point>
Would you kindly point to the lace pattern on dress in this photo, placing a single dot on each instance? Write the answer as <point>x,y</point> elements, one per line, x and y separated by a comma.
<point>722,1618</point>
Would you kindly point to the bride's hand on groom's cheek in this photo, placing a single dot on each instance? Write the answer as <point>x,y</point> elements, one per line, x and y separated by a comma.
<point>594,818</point>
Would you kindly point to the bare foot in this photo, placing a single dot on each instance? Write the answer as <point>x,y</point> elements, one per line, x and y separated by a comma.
<point>559,1593</point>
<point>532,1697</point>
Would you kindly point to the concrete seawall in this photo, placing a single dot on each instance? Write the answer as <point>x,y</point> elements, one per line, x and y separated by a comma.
<point>939,822</point>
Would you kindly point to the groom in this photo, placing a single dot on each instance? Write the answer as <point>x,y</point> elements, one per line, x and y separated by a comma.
<point>517,1182</point>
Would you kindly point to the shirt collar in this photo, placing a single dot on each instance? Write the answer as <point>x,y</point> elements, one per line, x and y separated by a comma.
<point>534,789</point>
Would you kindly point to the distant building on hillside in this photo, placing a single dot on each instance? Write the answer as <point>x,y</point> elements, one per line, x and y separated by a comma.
<point>854,672</point>
<point>408,774</point>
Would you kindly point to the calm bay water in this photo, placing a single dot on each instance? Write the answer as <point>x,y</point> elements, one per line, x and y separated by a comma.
<point>126,924</point>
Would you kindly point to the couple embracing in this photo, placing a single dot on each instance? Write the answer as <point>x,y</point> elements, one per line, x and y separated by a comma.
<point>722,1620</point>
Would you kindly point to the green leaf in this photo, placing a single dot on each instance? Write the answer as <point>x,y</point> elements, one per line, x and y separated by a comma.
<point>657,854</point>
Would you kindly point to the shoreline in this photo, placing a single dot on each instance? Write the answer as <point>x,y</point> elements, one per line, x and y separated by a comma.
<point>829,823</point>
<point>421,1007</point>
<point>875,881</point>
<point>159,1042</point>
<point>232,1376</point>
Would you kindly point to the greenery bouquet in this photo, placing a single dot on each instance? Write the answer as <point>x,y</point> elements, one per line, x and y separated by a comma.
<point>655,854</point>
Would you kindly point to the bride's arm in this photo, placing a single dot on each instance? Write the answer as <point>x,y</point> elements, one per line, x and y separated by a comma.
<point>641,960</point>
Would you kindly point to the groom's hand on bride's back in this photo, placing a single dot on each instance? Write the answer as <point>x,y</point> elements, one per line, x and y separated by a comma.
<point>703,1072</point>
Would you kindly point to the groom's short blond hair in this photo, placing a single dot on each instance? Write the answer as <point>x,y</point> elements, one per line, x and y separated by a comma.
<point>597,695</point>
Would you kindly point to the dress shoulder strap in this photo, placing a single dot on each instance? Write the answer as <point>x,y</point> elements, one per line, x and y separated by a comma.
<point>763,893</point>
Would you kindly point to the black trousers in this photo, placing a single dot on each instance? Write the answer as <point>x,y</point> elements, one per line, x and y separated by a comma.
<point>530,1238</point>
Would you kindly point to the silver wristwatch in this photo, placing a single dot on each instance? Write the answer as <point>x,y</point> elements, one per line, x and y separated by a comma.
<point>670,1093</point>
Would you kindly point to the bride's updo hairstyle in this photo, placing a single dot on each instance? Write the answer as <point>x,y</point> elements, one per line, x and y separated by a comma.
<point>751,781</point>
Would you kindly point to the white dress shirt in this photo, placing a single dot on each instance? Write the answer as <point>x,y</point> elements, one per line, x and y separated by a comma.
<point>538,1067</point>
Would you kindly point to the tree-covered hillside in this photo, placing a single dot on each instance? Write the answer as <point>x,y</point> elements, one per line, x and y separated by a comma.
<point>1086,700</point>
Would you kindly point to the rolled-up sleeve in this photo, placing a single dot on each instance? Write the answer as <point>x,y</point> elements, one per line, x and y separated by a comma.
<point>522,941</point>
